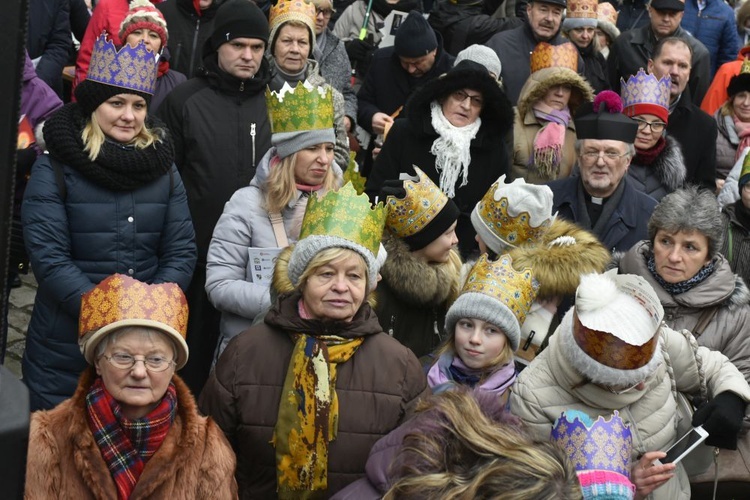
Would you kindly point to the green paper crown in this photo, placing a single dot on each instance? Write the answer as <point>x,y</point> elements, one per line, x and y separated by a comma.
<point>345,214</point>
<point>300,108</point>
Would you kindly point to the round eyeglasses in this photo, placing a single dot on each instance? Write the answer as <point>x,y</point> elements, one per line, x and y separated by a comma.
<point>123,361</point>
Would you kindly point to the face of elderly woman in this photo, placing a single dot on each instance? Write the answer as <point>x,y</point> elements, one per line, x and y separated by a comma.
<point>336,290</point>
<point>137,389</point>
<point>292,48</point>
<point>312,164</point>
<point>650,128</point>
<point>462,107</point>
<point>558,96</point>
<point>121,117</point>
<point>681,255</point>
<point>741,105</point>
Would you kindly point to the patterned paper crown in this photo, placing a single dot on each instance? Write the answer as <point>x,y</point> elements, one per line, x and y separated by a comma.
<point>499,279</point>
<point>291,10</point>
<point>604,444</point>
<point>745,68</point>
<point>607,13</point>
<point>412,213</point>
<point>131,68</point>
<point>301,108</point>
<point>345,214</point>
<point>644,89</point>
<point>553,56</point>
<point>585,9</point>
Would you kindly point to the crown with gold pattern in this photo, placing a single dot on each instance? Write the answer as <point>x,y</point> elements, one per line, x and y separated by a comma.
<point>607,13</point>
<point>585,9</point>
<point>412,213</point>
<point>744,173</point>
<point>644,93</point>
<point>554,56</point>
<point>132,68</point>
<point>302,11</point>
<point>301,108</point>
<point>120,301</point>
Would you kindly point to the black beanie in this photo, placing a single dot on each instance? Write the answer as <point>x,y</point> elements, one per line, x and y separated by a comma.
<point>238,19</point>
<point>90,94</point>
<point>432,231</point>
<point>415,37</point>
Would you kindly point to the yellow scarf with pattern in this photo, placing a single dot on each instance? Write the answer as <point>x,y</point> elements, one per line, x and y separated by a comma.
<point>309,414</point>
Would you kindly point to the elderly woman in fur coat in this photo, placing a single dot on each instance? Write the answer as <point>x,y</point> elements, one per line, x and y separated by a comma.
<point>132,429</point>
<point>658,167</point>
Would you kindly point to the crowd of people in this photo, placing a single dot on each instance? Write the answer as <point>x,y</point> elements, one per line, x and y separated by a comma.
<point>386,249</point>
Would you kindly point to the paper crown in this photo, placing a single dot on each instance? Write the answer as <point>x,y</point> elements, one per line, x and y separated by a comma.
<point>643,93</point>
<point>131,68</point>
<point>553,56</point>
<point>412,213</point>
<point>516,213</point>
<point>292,10</point>
<point>499,280</point>
<point>581,9</point>
<point>300,108</point>
<point>606,12</point>
<point>347,215</point>
<point>599,450</point>
<point>744,173</point>
<point>120,301</point>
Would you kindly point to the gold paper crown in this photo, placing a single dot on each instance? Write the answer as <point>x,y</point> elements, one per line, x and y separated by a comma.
<point>423,201</point>
<point>607,13</point>
<point>553,56</point>
<point>345,214</point>
<point>290,10</point>
<point>745,68</point>
<point>300,108</point>
<point>499,280</point>
<point>132,68</point>
<point>745,167</point>
<point>582,9</point>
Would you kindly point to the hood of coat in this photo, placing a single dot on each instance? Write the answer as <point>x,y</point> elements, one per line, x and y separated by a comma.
<point>558,260</point>
<point>722,288</point>
<point>416,281</point>
<point>539,82</point>
<point>669,166</point>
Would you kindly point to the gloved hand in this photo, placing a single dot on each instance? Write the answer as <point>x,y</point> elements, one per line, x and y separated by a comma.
<point>722,419</point>
<point>358,50</point>
<point>392,187</point>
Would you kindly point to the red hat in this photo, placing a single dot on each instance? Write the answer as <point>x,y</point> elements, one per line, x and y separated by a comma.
<point>143,15</point>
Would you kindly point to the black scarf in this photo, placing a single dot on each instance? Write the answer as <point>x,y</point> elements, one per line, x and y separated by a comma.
<point>118,167</point>
<point>595,217</point>
<point>682,286</point>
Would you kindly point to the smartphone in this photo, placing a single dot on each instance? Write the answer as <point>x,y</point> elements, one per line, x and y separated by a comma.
<point>683,446</point>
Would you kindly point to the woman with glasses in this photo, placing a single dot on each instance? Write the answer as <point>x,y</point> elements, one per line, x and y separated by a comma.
<point>132,428</point>
<point>544,133</point>
<point>452,128</point>
<point>658,167</point>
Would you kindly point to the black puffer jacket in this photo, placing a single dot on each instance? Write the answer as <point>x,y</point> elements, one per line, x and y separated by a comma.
<point>188,31</point>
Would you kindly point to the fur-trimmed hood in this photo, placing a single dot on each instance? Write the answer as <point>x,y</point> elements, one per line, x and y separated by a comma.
<point>417,282</point>
<point>564,253</point>
<point>669,166</point>
<point>539,82</point>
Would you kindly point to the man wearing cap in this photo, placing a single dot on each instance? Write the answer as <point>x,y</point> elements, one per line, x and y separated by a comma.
<point>632,50</point>
<point>514,47</point>
<point>600,198</point>
<point>692,127</point>
<point>220,128</point>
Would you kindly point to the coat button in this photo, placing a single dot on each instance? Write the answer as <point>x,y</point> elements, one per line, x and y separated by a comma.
<point>130,271</point>
<point>130,219</point>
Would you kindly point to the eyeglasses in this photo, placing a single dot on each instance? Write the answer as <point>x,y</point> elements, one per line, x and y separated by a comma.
<point>123,361</point>
<point>461,96</point>
<point>592,156</point>
<point>325,12</point>
<point>655,127</point>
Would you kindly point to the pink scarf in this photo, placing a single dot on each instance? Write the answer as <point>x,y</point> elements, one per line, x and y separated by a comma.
<point>743,132</point>
<point>440,378</point>
<point>548,143</point>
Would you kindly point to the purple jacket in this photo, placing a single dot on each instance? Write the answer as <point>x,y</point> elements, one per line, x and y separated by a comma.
<point>38,100</point>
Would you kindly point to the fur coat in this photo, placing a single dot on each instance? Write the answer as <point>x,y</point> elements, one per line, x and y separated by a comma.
<point>194,461</point>
<point>666,174</point>
<point>413,296</point>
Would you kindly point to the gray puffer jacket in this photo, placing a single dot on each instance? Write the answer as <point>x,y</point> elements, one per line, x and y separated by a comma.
<point>727,142</point>
<point>244,224</point>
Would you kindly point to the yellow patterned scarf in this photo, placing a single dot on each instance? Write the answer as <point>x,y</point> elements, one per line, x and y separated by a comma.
<point>309,414</point>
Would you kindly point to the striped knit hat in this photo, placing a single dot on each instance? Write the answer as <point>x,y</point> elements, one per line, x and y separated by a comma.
<point>143,15</point>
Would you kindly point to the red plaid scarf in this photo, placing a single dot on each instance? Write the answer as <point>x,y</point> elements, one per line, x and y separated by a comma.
<point>126,445</point>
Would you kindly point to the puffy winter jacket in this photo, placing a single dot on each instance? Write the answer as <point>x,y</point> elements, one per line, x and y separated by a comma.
<point>188,31</point>
<point>715,27</point>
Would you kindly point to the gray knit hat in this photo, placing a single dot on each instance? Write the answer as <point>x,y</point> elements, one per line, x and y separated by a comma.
<point>483,55</point>
<point>309,247</point>
<point>288,143</point>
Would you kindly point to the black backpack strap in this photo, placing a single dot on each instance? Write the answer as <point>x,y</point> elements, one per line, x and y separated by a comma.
<point>59,177</point>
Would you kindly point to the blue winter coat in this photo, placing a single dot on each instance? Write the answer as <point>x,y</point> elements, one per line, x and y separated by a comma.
<point>716,28</point>
<point>75,242</point>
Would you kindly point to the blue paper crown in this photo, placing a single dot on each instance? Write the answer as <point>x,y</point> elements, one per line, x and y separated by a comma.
<point>645,88</point>
<point>132,68</point>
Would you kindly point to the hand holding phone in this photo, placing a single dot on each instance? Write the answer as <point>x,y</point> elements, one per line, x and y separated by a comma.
<point>684,446</point>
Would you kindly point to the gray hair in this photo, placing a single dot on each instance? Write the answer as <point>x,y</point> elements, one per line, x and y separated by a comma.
<point>630,147</point>
<point>689,209</point>
<point>145,331</point>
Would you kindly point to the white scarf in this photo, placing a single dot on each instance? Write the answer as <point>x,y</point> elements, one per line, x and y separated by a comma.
<point>451,149</point>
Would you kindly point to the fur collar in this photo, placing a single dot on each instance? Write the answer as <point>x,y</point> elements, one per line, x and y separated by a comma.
<point>669,166</point>
<point>417,282</point>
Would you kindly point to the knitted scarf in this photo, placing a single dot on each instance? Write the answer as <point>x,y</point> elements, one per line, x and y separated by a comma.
<point>452,149</point>
<point>450,371</point>
<point>118,167</point>
<point>548,142</point>
<point>743,132</point>
<point>127,445</point>
<point>647,156</point>
<point>682,286</point>
<point>309,413</point>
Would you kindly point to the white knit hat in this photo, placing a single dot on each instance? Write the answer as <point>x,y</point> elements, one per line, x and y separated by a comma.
<point>483,55</point>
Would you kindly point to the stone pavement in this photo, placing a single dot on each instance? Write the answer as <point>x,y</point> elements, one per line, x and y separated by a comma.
<point>19,314</point>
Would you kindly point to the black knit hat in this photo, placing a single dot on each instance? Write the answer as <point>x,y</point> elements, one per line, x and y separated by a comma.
<point>415,37</point>
<point>237,19</point>
<point>738,83</point>
<point>90,94</point>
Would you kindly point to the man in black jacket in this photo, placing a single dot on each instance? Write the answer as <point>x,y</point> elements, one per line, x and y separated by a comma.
<point>220,128</point>
<point>190,24</point>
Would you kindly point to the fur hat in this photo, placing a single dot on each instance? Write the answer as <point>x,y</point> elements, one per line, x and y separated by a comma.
<point>415,37</point>
<point>481,54</point>
<point>511,215</point>
<point>607,20</point>
<point>741,81</point>
<point>611,336</point>
<point>302,11</point>
<point>237,19</point>
<point>143,15</point>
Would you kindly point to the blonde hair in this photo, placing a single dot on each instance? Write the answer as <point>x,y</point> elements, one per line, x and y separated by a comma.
<point>504,357</point>
<point>281,186</point>
<point>462,453</point>
<point>330,256</point>
<point>93,137</point>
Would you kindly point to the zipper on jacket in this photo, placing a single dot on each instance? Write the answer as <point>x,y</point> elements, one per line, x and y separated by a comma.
<point>393,323</point>
<point>195,43</point>
<point>242,86</point>
<point>252,136</point>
